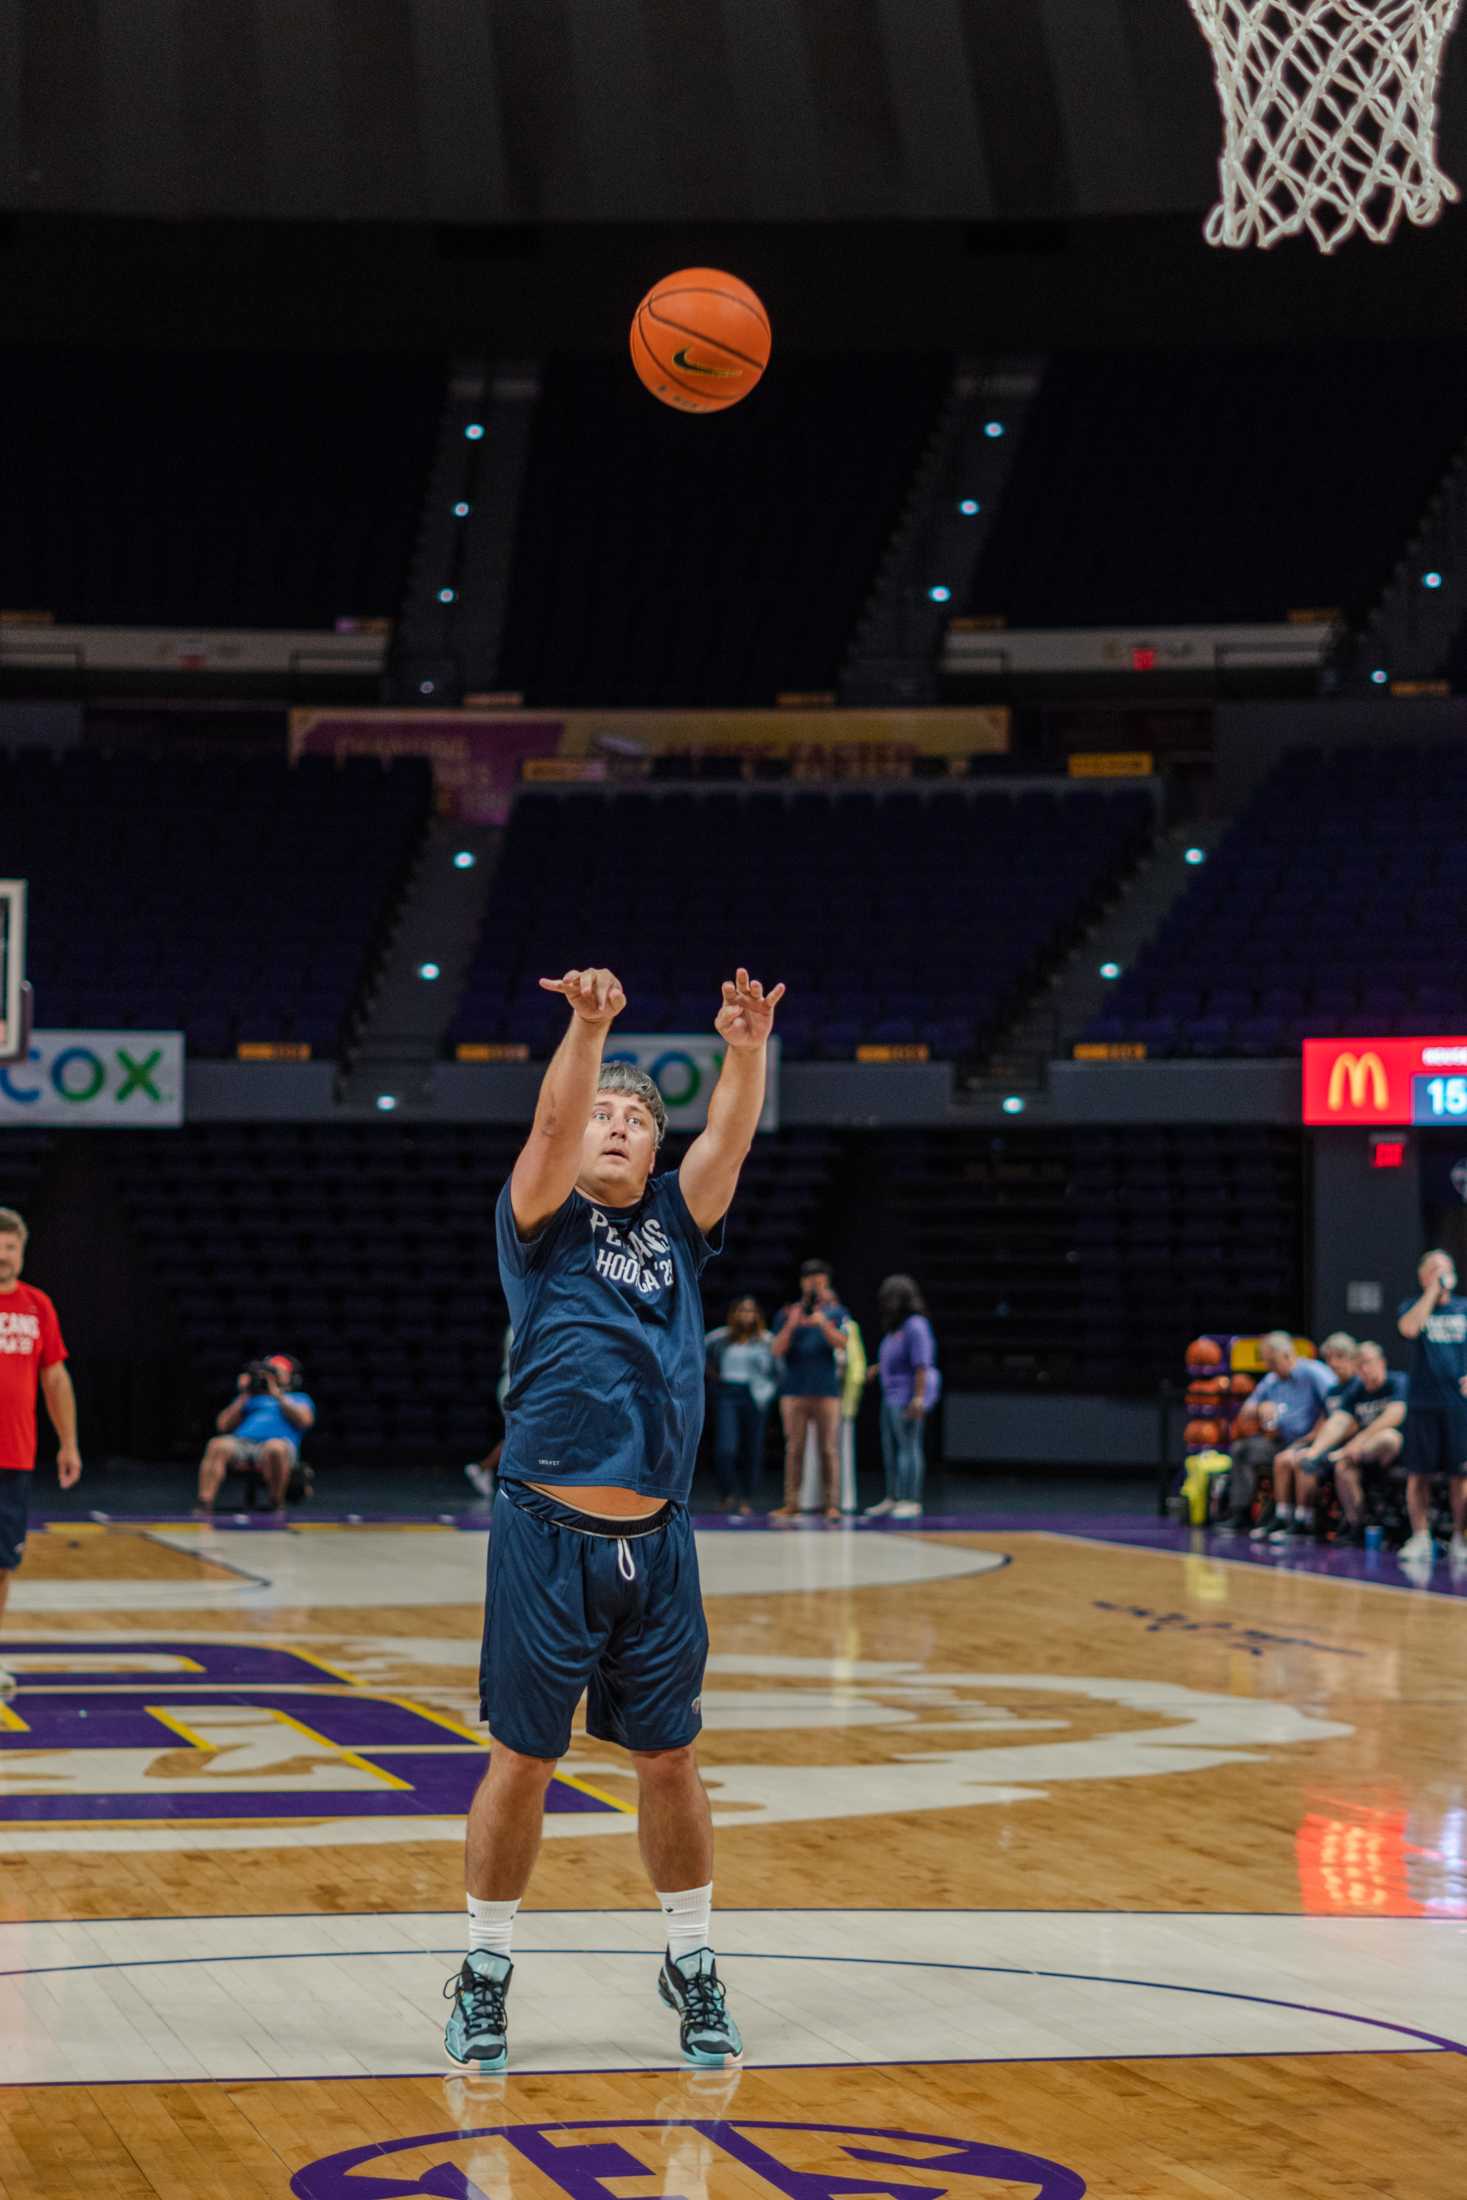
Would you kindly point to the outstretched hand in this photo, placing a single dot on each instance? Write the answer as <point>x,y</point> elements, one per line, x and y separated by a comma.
<point>747,1015</point>
<point>595,996</point>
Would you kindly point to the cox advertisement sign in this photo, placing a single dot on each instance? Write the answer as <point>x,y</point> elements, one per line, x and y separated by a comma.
<point>685,1071</point>
<point>1386,1081</point>
<point>130,1079</point>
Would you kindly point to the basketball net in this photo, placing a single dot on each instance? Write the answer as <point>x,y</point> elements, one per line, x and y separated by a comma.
<point>1329,114</point>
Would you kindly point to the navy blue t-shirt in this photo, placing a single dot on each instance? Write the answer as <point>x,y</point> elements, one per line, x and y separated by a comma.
<point>1365,1406</point>
<point>809,1369</point>
<point>606,1371</point>
<point>1438,1355</point>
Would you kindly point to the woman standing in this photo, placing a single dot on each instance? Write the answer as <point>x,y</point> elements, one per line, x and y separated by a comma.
<point>742,1364</point>
<point>910,1383</point>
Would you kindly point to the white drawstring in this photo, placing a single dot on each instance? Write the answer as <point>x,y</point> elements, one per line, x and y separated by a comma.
<point>625,1563</point>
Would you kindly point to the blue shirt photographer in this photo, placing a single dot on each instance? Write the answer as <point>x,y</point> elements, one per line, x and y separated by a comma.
<point>263,1420</point>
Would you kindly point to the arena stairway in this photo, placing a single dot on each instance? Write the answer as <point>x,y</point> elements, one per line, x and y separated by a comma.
<point>400,1032</point>
<point>1075,993</point>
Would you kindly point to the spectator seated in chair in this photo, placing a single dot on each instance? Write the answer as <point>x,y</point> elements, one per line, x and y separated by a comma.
<point>259,1432</point>
<point>1341,1355</point>
<point>1361,1433</point>
<point>1289,1403</point>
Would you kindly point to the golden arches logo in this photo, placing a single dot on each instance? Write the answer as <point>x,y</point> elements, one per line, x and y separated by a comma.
<point>1362,1073</point>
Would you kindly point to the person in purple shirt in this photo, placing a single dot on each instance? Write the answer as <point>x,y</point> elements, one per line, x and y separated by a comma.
<point>907,1370</point>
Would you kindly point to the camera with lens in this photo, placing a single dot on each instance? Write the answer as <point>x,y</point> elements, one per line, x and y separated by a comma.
<point>259,1377</point>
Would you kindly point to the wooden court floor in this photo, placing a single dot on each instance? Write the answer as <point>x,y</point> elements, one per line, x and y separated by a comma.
<point>1047,1866</point>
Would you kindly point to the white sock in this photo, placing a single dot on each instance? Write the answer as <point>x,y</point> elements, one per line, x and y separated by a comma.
<point>1303,1514</point>
<point>491,1925</point>
<point>689,1920</point>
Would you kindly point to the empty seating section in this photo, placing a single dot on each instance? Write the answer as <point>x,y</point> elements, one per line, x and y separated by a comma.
<point>230,900</point>
<point>1336,904</point>
<point>897,917</point>
<point>1083,1259</point>
<point>640,528</point>
<point>23,1157</point>
<point>368,1251</point>
<point>144,489</point>
<point>1171,487</point>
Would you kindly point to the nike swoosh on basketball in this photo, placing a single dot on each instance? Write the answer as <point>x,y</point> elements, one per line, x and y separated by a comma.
<point>691,366</point>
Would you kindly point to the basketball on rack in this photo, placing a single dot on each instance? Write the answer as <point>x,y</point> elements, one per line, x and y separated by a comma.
<point>700,340</point>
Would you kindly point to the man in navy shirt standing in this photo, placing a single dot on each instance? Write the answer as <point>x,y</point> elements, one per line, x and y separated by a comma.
<point>593,1573</point>
<point>1436,1409</point>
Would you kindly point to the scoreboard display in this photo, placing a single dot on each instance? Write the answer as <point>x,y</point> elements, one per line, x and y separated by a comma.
<point>1386,1082</point>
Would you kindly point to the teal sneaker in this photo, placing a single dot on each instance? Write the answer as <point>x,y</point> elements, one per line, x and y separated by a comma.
<point>692,1986</point>
<point>477,2033</point>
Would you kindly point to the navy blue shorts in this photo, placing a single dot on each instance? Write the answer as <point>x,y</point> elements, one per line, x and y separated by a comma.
<point>1434,1439</point>
<point>561,1617</point>
<point>15,1513</point>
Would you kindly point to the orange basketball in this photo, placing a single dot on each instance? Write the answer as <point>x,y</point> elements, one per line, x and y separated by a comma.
<point>700,340</point>
<point>1201,1434</point>
<point>1242,1384</point>
<point>1205,1393</point>
<point>1247,1422</point>
<point>1202,1353</point>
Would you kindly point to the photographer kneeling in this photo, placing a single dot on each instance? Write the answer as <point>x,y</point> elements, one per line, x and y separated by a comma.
<point>259,1430</point>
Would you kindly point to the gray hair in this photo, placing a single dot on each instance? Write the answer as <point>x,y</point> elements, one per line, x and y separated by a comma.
<point>626,1077</point>
<point>1280,1340</point>
<point>1340,1340</point>
<point>12,1224</point>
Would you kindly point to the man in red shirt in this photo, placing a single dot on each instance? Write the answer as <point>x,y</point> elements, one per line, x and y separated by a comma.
<point>32,1356</point>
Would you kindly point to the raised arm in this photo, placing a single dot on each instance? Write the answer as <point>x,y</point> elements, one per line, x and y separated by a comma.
<point>1416,1317</point>
<point>234,1412</point>
<point>550,1159</point>
<point>711,1165</point>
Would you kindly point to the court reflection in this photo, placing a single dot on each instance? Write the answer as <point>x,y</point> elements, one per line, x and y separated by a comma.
<point>1386,1861</point>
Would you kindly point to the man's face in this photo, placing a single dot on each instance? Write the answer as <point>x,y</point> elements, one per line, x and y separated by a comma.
<point>618,1149</point>
<point>12,1258</point>
<point>1279,1358</point>
<point>1372,1367</point>
<point>1340,1361</point>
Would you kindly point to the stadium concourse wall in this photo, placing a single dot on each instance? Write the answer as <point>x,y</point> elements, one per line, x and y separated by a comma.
<point>1362,1223</point>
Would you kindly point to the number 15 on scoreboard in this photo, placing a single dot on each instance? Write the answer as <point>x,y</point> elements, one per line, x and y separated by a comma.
<point>1438,1099</point>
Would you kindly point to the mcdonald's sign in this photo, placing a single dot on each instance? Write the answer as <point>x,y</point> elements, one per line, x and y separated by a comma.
<point>1385,1082</point>
<point>1357,1081</point>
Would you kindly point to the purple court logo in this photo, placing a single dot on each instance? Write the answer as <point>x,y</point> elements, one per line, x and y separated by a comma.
<point>156,1732</point>
<point>587,2160</point>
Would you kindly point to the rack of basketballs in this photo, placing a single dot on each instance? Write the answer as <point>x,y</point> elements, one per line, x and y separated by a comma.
<point>1218,1389</point>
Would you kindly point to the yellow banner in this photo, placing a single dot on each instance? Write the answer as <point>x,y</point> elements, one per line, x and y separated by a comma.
<point>1112,764</point>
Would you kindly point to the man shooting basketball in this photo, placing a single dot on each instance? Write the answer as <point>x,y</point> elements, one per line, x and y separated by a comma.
<point>593,1574</point>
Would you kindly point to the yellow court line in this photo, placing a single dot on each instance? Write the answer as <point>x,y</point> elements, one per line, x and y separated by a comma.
<point>175,1725</point>
<point>347,1756</point>
<point>423,1711</point>
<point>570,1780</point>
<point>11,1721</point>
<point>307,1657</point>
<point>370,1527</point>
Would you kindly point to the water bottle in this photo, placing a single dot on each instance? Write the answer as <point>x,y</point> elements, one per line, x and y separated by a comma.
<point>1374,1537</point>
